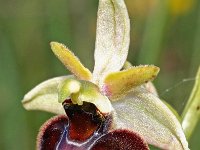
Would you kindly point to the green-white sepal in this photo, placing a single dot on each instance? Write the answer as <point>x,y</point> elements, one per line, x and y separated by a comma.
<point>44,96</point>
<point>143,112</point>
<point>112,38</point>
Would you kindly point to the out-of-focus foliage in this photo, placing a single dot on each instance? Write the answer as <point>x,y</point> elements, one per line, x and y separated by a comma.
<point>163,32</point>
<point>180,7</point>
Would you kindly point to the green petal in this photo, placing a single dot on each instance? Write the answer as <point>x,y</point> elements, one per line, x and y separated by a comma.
<point>112,38</point>
<point>44,96</point>
<point>71,62</point>
<point>143,112</point>
<point>119,83</point>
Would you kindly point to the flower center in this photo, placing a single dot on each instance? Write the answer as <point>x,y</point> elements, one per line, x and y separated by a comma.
<point>85,121</point>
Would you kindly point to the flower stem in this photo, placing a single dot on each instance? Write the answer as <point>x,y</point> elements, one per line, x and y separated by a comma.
<point>191,113</point>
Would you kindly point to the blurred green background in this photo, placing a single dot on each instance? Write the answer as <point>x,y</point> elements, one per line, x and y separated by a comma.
<point>163,32</point>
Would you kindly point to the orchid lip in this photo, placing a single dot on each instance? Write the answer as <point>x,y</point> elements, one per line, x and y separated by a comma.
<point>79,128</point>
<point>69,132</point>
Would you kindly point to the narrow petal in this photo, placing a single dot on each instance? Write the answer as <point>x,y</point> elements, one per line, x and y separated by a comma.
<point>142,112</point>
<point>45,96</point>
<point>71,62</point>
<point>119,83</point>
<point>112,38</point>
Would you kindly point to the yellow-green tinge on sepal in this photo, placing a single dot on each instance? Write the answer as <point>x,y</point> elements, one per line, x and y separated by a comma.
<point>44,96</point>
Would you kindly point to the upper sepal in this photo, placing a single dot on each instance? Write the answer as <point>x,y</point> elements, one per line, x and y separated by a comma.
<point>112,38</point>
<point>45,96</point>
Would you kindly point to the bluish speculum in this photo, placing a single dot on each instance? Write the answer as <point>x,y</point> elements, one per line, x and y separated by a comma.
<point>79,129</point>
<point>84,127</point>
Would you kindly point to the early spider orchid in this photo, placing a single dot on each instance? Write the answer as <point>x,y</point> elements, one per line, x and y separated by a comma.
<point>115,107</point>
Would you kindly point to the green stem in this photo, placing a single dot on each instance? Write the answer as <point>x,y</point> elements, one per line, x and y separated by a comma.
<point>191,113</point>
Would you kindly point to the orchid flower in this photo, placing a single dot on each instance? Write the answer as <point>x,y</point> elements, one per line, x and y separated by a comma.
<point>111,108</point>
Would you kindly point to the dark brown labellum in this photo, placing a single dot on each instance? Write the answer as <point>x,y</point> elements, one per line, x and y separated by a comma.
<point>85,128</point>
<point>51,132</point>
<point>77,130</point>
<point>120,140</point>
<point>85,121</point>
